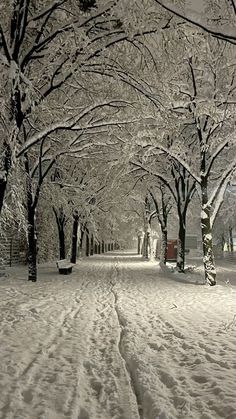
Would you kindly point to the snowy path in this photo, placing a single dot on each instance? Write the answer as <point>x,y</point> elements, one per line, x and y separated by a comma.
<point>117,339</point>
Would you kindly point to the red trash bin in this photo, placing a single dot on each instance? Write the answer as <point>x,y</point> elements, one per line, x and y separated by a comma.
<point>172,246</point>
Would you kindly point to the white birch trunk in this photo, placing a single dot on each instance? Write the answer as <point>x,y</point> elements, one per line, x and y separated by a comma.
<point>206,227</point>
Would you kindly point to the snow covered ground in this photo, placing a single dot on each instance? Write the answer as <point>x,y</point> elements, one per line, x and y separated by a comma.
<point>119,338</point>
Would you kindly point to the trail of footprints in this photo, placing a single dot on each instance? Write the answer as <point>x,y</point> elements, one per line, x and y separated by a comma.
<point>109,377</point>
<point>36,373</point>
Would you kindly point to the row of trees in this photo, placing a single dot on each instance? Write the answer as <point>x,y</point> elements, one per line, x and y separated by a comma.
<point>77,101</point>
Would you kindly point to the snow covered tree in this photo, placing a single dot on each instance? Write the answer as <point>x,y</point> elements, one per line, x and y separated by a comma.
<point>179,183</point>
<point>43,47</point>
<point>202,98</point>
<point>163,205</point>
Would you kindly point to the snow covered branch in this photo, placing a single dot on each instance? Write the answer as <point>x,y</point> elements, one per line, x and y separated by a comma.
<point>4,45</point>
<point>214,156</point>
<point>160,175</point>
<point>72,124</point>
<point>125,77</point>
<point>217,34</point>
<point>179,159</point>
<point>217,196</point>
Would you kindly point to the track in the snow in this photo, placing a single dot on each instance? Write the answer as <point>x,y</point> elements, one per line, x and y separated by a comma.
<point>80,351</point>
<point>122,348</point>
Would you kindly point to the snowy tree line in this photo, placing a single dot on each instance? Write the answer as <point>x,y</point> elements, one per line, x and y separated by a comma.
<point>103,102</point>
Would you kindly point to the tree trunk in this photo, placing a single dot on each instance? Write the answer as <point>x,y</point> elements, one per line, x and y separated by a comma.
<point>5,165</point>
<point>146,245</point>
<point>87,244</point>
<point>99,248</point>
<point>152,252</point>
<point>231,242</point>
<point>181,243</point>
<point>61,221</point>
<point>148,249</point>
<point>163,255</point>
<point>31,226</point>
<point>3,186</point>
<point>62,248</point>
<point>32,243</point>
<point>81,239</point>
<point>222,242</point>
<point>147,230</point>
<point>142,246</point>
<point>139,244</point>
<point>103,247</point>
<point>74,236</point>
<point>208,255</point>
<point>92,246</point>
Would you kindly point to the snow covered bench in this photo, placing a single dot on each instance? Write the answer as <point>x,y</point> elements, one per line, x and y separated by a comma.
<point>64,267</point>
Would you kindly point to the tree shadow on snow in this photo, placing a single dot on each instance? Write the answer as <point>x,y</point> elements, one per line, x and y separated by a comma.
<point>119,257</point>
<point>193,278</point>
<point>121,254</point>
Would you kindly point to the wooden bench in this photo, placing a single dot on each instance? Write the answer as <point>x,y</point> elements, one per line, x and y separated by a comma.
<point>64,267</point>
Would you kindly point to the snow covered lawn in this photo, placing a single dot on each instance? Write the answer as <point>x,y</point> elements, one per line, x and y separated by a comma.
<point>117,339</point>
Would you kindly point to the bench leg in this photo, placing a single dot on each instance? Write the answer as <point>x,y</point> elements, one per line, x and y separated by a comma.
<point>65,271</point>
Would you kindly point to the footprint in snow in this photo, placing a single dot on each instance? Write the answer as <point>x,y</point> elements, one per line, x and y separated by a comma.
<point>167,379</point>
<point>156,347</point>
<point>83,414</point>
<point>200,379</point>
<point>27,396</point>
